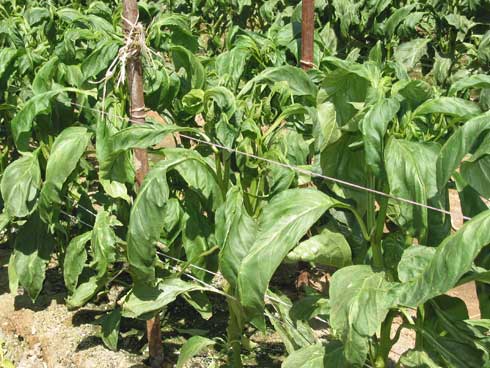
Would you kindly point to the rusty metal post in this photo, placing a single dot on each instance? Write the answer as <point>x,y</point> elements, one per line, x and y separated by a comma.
<point>307,34</point>
<point>134,73</point>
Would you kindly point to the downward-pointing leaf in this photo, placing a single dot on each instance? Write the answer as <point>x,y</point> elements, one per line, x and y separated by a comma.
<point>33,246</point>
<point>458,145</point>
<point>146,222</point>
<point>110,328</point>
<point>65,154</point>
<point>21,182</point>
<point>42,80</point>
<point>75,259</point>
<point>410,167</point>
<point>235,233</point>
<point>282,224</point>
<point>192,347</point>
<point>103,243</point>
<point>360,300</point>
<point>374,127</point>
<point>23,120</point>
<point>145,300</point>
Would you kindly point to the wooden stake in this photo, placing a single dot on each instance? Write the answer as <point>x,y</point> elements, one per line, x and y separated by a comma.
<point>307,34</point>
<point>134,73</point>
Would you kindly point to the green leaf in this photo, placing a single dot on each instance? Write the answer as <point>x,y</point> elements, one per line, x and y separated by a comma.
<point>317,356</point>
<point>146,222</point>
<point>410,167</point>
<point>33,247</point>
<point>75,258</point>
<point>103,243</point>
<point>428,283</point>
<point>416,359</point>
<point>99,59</point>
<point>43,79</point>
<point>457,146</point>
<point>325,128</point>
<point>110,328</point>
<point>409,53</point>
<point>142,136</point>
<point>235,233</point>
<point>297,80</point>
<point>68,148</point>
<point>143,301</point>
<point>413,262</point>
<point>477,174</point>
<point>23,120</point>
<point>20,185</point>
<point>360,300</point>
<point>195,72</point>
<point>8,57</point>
<point>374,127</point>
<point>452,106</point>
<point>282,224</point>
<point>191,348</point>
<point>474,81</point>
<point>198,173</point>
<point>329,248</point>
<point>395,19</point>
<point>4,220</point>
<point>84,292</point>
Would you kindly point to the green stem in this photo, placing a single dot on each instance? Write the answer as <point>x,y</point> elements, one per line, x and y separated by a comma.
<point>234,332</point>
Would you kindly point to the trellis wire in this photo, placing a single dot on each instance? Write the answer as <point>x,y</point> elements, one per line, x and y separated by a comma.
<point>300,170</point>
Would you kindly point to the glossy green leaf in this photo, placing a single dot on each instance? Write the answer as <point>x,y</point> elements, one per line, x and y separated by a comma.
<point>283,222</point>
<point>67,149</point>
<point>477,174</point>
<point>20,185</point>
<point>297,80</point>
<point>75,258</point>
<point>458,145</point>
<point>83,293</point>
<point>103,243</point>
<point>144,300</point>
<point>374,127</point>
<point>410,167</point>
<point>191,348</point>
<point>110,328</point>
<point>235,233</point>
<point>451,260</point>
<point>317,356</point>
<point>409,53</point>
<point>474,81</point>
<point>329,248</point>
<point>33,247</point>
<point>452,106</point>
<point>416,359</point>
<point>23,120</point>
<point>146,223</point>
<point>414,260</point>
<point>43,79</point>
<point>360,300</point>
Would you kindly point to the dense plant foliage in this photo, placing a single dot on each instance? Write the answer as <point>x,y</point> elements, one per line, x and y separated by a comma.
<point>397,102</point>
